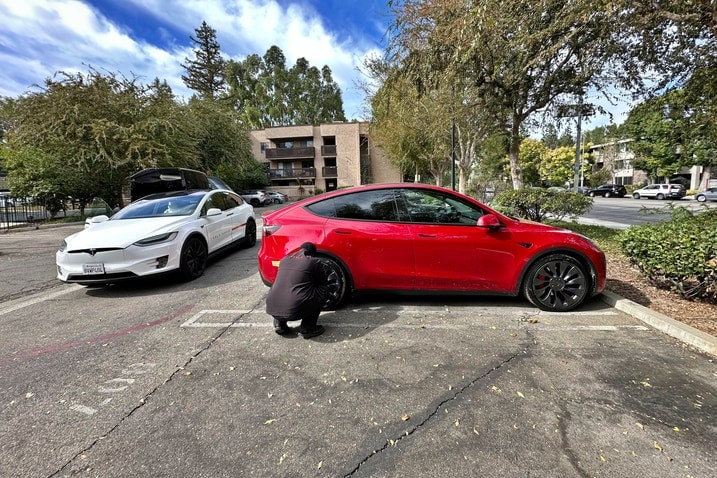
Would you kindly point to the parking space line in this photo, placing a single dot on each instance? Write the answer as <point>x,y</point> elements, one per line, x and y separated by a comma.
<point>196,322</point>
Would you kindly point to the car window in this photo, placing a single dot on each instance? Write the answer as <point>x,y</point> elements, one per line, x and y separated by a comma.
<point>376,205</point>
<point>216,200</point>
<point>166,206</point>
<point>435,207</point>
<point>233,200</point>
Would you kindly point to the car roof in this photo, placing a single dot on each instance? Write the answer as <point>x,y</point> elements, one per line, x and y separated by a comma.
<point>170,194</point>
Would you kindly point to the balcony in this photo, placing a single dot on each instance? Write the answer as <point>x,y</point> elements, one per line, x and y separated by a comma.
<point>290,153</point>
<point>328,150</point>
<point>295,173</point>
<point>329,171</point>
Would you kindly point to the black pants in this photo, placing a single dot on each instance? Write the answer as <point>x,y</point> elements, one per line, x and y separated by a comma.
<point>308,319</point>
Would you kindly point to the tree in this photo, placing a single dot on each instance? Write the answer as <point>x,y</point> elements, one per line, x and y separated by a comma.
<point>223,146</point>
<point>656,127</point>
<point>522,56</point>
<point>205,73</point>
<point>267,94</point>
<point>556,168</point>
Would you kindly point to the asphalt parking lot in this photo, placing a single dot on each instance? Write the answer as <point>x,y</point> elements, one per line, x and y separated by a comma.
<point>189,379</point>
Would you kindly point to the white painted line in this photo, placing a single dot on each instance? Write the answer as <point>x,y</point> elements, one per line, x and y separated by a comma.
<point>194,322</point>
<point>37,298</point>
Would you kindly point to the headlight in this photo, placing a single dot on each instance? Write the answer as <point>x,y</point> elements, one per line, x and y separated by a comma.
<point>149,241</point>
<point>63,245</point>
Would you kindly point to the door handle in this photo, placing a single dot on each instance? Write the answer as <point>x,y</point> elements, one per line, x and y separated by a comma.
<point>426,235</point>
<point>342,231</point>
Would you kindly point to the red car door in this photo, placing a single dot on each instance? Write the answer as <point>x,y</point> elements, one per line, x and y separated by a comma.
<point>452,252</point>
<point>369,238</point>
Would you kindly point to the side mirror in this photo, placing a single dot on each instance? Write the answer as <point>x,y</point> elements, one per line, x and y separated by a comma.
<point>490,221</point>
<point>215,211</point>
<point>90,221</point>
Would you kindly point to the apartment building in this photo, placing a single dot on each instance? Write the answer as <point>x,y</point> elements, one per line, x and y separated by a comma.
<point>310,159</point>
<point>617,157</point>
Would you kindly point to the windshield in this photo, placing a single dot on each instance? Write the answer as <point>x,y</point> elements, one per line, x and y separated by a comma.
<point>162,207</point>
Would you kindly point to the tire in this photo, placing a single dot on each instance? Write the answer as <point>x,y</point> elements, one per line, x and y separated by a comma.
<point>660,197</point>
<point>249,234</point>
<point>193,260</point>
<point>701,198</point>
<point>557,282</point>
<point>635,196</point>
<point>591,194</point>
<point>254,202</point>
<point>338,284</point>
<point>608,194</point>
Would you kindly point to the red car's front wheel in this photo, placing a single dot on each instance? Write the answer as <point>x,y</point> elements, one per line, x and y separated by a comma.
<point>557,282</point>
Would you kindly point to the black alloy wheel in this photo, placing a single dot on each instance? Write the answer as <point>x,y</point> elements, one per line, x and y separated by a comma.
<point>337,286</point>
<point>557,283</point>
<point>249,234</point>
<point>193,259</point>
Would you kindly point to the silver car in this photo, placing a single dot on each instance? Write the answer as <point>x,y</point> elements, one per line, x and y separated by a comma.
<point>660,191</point>
<point>709,194</point>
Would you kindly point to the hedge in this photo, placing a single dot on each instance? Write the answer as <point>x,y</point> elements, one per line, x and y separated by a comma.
<point>678,254</point>
<point>538,204</point>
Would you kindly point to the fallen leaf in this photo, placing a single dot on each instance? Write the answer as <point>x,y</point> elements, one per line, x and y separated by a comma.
<point>657,447</point>
<point>676,429</point>
<point>320,464</point>
<point>521,395</point>
<point>29,395</point>
<point>270,421</point>
<point>640,426</point>
<point>282,458</point>
<point>475,431</point>
<point>405,417</point>
<point>496,389</point>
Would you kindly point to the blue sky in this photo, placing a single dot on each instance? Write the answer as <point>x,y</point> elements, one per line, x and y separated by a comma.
<point>150,39</point>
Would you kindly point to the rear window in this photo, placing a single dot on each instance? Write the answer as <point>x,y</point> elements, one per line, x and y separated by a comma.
<point>376,205</point>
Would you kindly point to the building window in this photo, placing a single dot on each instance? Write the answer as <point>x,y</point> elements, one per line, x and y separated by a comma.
<point>264,146</point>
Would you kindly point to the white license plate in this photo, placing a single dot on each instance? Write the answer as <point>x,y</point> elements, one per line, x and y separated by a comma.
<point>93,269</point>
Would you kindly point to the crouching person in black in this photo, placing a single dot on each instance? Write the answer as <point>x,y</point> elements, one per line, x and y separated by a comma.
<point>299,292</point>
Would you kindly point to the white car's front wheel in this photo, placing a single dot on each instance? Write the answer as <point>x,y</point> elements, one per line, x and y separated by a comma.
<point>193,259</point>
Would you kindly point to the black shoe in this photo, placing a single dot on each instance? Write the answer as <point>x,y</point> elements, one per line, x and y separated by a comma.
<point>313,332</point>
<point>281,328</point>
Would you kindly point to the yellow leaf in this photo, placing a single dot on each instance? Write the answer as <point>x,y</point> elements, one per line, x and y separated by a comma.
<point>602,458</point>
<point>640,426</point>
<point>270,421</point>
<point>676,429</point>
<point>282,458</point>
<point>457,422</point>
<point>320,463</point>
<point>657,446</point>
<point>405,417</point>
<point>521,395</point>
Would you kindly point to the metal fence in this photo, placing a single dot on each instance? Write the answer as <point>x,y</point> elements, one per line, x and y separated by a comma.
<point>16,213</point>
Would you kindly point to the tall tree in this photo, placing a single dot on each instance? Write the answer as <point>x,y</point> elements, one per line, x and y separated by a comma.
<point>266,93</point>
<point>205,72</point>
<point>521,55</point>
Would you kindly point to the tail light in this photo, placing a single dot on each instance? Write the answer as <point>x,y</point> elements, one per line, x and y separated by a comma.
<point>270,229</point>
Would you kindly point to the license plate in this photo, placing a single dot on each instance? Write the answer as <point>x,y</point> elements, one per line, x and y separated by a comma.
<point>93,269</point>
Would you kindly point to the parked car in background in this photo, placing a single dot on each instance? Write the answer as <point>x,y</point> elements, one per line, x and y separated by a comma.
<point>277,197</point>
<point>427,239</point>
<point>608,191</point>
<point>256,197</point>
<point>175,231</point>
<point>660,191</point>
<point>707,195</point>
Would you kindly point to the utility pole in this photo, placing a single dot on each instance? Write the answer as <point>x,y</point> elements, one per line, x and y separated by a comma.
<point>576,111</point>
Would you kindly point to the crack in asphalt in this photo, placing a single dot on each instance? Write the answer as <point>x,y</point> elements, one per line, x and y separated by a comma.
<point>459,391</point>
<point>144,399</point>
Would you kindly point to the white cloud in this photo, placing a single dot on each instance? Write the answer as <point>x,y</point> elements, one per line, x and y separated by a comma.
<point>41,37</point>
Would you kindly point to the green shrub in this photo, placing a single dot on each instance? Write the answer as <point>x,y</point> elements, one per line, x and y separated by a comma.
<point>538,204</point>
<point>678,254</point>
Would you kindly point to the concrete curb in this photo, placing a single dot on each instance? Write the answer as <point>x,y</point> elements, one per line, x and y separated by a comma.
<point>689,335</point>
